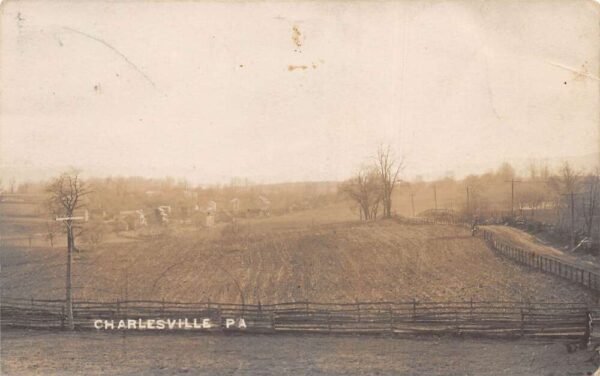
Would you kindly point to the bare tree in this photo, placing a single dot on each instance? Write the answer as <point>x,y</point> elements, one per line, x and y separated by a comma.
<point>365,188</point>
<point>531,196</point>
<point>590,200</point>
<point>51,230</point>
<point>94,232</point>
<point>389,168</point>
<point>67,193</point>
<point>569,178</point>
<point>566,185</point>
<point>12,185</point>
<point>533,170</point>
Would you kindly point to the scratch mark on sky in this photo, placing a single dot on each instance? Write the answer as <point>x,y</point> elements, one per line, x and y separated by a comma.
<point>579,73</point>
<point>489,88</point>
<point>114,50</point>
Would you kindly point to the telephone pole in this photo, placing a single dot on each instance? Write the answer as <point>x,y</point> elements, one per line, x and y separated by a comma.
<point>572,205</point>
<point>512,195</point>
<point>435,197</point>
<point>572,220</point>
<point>68,220</point>
<point>468,203</point>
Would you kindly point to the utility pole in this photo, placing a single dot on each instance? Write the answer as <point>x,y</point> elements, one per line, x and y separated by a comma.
<point>571,196</point>
<point>435,197</point>
<point>67,194</point>
<point>412,203</point>
<point>572,220</point>
<point>70,248</point>
<point>512,195</point>
<point>468,203</point>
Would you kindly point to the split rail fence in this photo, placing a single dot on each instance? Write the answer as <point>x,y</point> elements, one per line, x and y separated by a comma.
<point>495,319</point>
<point>543,263</point>
<point>492,319</point>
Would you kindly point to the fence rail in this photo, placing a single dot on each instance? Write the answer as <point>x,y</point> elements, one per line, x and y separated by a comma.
<point>544,263</point>
<point>498,319</point>
<point>483,318</point>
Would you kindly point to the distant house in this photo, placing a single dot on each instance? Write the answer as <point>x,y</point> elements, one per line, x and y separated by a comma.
<point>163,212</point>
<point>262,207</point>
<point>210,220</point>
<point>234,205</point>
<point>211,211</point>
<point>98,214</point>
<point>211,207</point>
<point>264,204</point>
<point>134,218</point>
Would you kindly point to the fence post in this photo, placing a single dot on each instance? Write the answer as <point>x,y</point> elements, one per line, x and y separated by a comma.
<point>471,312</point>
<point>358,311</point>
<point>329,321</point>
<point>272,320</point>
<point>391,319</point>
<point>588,329</point>
<point>414,309</point>
<point>522,322</point>
<point>62,317</point>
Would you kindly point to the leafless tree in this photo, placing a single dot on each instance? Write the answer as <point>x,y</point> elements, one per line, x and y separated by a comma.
<point>565,185</point>
<point>533,170</point>
<point>389,168</point>
<point>590,200</point>
<point>365,188</point>
<point>94,232</point>
<point>532,196</point>
<point>12,185</point>
<point>66,195</point>
<point>544,172</point>
<point>51,230</point>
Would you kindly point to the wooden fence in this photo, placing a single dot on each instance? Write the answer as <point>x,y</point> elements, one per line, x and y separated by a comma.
<point>494,319</point>
<point>431,221</point>
<point>543,263</point>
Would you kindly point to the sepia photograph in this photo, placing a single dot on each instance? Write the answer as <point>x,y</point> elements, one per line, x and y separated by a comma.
<point>300,187</point>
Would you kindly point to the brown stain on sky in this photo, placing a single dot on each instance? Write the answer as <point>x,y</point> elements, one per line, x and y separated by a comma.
<point>297,36</point>
<point>297,67</point>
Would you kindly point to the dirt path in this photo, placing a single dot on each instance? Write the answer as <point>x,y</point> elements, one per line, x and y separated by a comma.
<point>527,241</point>
<point>45,353</point>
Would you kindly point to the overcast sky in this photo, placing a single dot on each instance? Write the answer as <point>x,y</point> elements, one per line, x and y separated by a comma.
<point>280,91</point>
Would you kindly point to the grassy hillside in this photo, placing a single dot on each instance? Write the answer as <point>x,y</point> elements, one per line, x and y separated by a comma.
<point>284,259</point>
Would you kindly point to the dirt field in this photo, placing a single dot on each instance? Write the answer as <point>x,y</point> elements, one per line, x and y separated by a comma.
<point>288,259</point>
<point>43,353</point>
